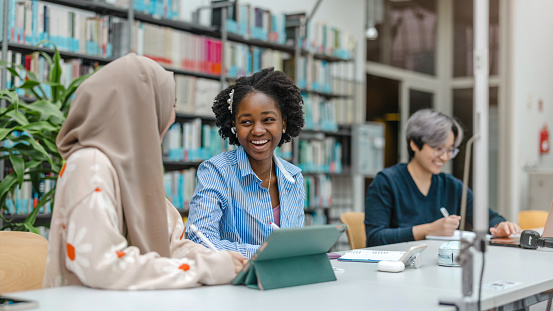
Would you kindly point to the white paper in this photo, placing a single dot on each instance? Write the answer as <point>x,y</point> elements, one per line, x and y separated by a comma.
<point>371,255</point>
<point>456,236</point>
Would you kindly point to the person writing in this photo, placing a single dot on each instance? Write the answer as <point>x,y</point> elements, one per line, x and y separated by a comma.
<point>404,202</point>
<point>112,226</point>
<point>240,192</point>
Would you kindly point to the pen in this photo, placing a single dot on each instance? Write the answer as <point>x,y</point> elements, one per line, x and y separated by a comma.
<point>203,238</point>
<point>273,225</point>
<point>444,212</point>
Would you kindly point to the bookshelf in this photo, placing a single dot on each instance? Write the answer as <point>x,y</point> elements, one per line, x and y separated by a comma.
<point>206,76</point>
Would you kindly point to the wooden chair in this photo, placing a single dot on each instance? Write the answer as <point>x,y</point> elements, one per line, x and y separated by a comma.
<point>355,221</point>
<point>532,219</point>
<point>22,260</point>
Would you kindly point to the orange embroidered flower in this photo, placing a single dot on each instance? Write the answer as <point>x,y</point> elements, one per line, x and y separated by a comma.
<point>62,169</point>
<point>120,254</point>
<point>97,190</point>
<point>70,251</point>
<point>184,267</point>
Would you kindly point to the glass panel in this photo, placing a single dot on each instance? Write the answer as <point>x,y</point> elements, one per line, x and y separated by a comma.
<point>419,100</point>
<point>463,111</point>
<point>406,35</point>
<point>463,38</point>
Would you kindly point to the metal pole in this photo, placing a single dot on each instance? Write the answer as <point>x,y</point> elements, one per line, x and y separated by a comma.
<point>297,55</point>
<point>313,11</point>
<point>481,106</point>
<point>3,74</point>
<point>4,47</point>
<point>223,45</point>
<point>130,22</point>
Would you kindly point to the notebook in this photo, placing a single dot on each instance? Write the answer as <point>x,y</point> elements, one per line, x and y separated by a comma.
<point>456,236</point>
<point>364,255</point>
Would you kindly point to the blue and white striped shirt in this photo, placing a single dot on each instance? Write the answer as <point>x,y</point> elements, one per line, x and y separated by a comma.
<point>231,208</point>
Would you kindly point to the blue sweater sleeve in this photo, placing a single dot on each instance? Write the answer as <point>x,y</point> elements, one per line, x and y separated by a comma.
<point>378,215</point>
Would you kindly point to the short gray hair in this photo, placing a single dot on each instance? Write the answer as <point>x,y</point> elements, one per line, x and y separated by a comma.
<point>430,127</point>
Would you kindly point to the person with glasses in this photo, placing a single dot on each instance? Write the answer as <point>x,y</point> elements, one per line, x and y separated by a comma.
<point>404,202</point>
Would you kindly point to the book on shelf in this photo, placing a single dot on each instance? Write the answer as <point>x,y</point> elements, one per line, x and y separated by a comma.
<point>23,200</point>
<point>319,113</point>
<point>179,187</point>
<point>251,22</point>
<point>320,156</point>
<point>316,217</point>
<point>31,22</point>
<point>177,49</point>
<point>169,9</point>
<point>318,191</point>
<point>329,40</point>
<point>193,141</point>
<point>35,63</point>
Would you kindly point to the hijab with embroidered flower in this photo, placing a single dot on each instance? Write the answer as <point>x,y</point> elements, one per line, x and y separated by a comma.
<point>122,110</point>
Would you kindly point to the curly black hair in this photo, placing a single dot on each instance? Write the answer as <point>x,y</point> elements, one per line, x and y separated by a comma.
<point>272,83</point>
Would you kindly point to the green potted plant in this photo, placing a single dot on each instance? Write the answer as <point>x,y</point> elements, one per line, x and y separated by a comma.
<point>30,129</point>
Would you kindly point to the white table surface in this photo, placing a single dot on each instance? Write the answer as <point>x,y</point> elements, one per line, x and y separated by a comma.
<point>359,286</point>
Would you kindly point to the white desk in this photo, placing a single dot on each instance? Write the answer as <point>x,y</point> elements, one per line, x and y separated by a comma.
<point>359,286</point>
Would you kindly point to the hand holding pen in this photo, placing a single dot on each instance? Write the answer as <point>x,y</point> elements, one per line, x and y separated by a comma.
<point>238,259</point>
<point>445,226</point>
<point>202,237</point>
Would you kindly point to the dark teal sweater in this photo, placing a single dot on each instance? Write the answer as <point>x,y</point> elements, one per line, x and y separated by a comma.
<point>394,204</point>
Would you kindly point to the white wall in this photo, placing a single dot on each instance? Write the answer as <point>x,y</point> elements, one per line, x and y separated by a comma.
<point>347,15</point>
<point>531,80</point>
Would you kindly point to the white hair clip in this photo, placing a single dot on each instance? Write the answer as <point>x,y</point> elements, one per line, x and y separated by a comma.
<point>229,101</point>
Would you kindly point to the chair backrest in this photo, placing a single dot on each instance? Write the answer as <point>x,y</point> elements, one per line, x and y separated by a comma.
<point>355,221</point>
<point>22,260</point>
<point>532,219</point>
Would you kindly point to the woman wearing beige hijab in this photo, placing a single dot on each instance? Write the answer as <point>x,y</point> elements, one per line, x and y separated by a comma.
<point>112,226</point>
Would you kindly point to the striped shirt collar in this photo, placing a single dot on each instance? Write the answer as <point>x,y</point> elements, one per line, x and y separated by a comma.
<point>287,169</point>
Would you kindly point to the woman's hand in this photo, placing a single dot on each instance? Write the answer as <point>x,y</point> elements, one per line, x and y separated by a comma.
<point>238,261</point>
<point>504,229</point>
<point>445,226</point>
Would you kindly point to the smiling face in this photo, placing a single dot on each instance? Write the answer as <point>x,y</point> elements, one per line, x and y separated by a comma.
<point>427,161</point>
<point>259,126</point>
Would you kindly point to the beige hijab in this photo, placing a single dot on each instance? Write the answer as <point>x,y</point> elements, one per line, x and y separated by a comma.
<point>122,110</point>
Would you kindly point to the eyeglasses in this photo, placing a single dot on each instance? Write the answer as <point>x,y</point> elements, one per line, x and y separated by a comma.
<point>451,153</point>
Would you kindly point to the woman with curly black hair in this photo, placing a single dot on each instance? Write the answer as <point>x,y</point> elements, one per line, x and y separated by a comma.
<point>241,192</point>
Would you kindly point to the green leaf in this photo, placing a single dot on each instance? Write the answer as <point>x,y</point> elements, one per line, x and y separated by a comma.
<point>35,179</point>
<point>66,96</point>
<point>30,227</point>
<point>55,74</point>
<point>32,164</point>
<point>41,127</point>
<point>18,167</point>
<point>10,96</point>
<point>5,186</point>
<point>45,108</point>
<point>38,147</point>
<point>14,72</point>
<point>46,57</point>
<point>28,84</point>
<point>45,198</point>
<point>18,117</point>
<point>4,132</point>
<point>51,146</point>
